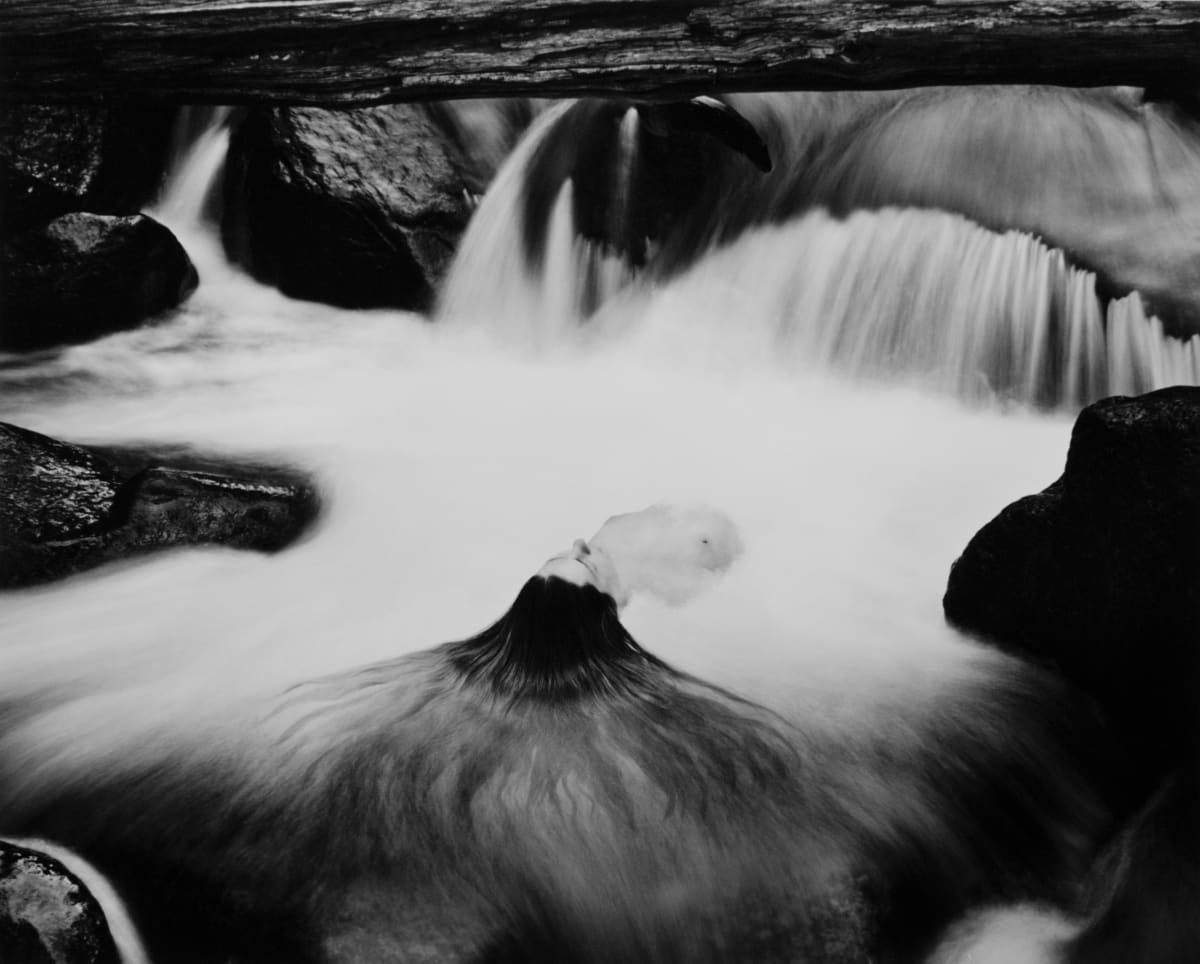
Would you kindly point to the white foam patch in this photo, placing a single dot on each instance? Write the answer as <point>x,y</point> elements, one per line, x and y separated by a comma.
<point>1022,934</point>
<point>672,552</point>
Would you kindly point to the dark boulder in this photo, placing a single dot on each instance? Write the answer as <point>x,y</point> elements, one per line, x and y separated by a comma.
<point>83,275</point>
<point>57,159</point>
<point>1099,574</point>
<point>53,492</point>
<point>47,915</point>
<point>64,508</point>
<point>1099,577</point>
<point>359,208</point>
<point>177,507</point>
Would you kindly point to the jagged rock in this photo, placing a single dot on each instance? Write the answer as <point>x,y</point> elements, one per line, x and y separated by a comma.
<point>83,275</point>
<point>359,208</point>
<point>47,915</point>
<point>64,508</point>
<point>1099,574</point>
<point>57,159</point>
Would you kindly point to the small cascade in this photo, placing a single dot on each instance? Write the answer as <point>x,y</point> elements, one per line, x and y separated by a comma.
<point>930,297</point>
<point>624,173</point>
<point>199,147</point>
<point>492,284</point>
<point>451,461</point>
<point>490,275</point>
<point>917,294</point>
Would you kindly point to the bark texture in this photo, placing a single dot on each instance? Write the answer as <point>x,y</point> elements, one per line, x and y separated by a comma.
<point>325,52</point>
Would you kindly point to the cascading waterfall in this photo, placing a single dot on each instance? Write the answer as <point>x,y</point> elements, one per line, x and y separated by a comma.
<point>805,376</point>
<point>932,298</point>
<point>921,295</point>
<point>453,459</point>
<point>199,146</point>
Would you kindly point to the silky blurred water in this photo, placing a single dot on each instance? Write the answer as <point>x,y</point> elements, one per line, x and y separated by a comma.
<point>453,459</point>
<point>859,393</point>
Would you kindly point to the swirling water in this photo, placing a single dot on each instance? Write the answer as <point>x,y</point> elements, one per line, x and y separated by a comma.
<point>455,456</point>
<point>860,394</point>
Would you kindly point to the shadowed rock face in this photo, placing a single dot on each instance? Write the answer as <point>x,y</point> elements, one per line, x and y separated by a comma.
<point>77,260</point>
<point>358,208</point>
<point>64,508</point>
<point>57,159</point>
<point>54,491</point>
<point>84,275</point>
<point>1099,574</point>
<point>47,916</point>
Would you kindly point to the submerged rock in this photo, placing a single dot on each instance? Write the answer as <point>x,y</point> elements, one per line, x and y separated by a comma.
<point>1099,574</point>
<point>47,915</point>
<point>358,208</point>
<point>64,508</point>
<point>62,158</point>
<point>83,275</point>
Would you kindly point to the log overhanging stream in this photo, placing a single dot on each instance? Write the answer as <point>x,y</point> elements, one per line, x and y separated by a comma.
<point>356,52</point>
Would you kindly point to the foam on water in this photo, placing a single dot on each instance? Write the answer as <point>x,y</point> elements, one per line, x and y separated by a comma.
<point>452,465</point>
<point>454,458</point>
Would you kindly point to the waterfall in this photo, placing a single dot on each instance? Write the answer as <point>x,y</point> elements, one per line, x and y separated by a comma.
<point>803,368</point>
<point>932,298</point>
<point>199,146</point>
<point>914,294</point>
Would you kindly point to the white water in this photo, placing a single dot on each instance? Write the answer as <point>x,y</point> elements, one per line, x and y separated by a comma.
<point>914,294</point>
<point>455,457</point>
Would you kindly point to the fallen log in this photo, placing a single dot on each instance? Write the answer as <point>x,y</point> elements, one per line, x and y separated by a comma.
<point>328,52</point>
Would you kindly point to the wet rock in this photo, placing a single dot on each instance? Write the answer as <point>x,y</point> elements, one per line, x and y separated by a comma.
<point>1099,574</point>
<point>64,508</point>
<point>57,159</point>
<point>176,507</point>
<point>83,275</point>
<point>359,208</point>
<point>52,491</point>
<point>47,915</point>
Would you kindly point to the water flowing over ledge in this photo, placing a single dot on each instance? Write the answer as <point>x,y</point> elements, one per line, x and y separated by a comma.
<point>806,377</point>
<point>918,295</point>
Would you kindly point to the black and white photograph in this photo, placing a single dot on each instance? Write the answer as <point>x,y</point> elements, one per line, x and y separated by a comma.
<point>607,482</point>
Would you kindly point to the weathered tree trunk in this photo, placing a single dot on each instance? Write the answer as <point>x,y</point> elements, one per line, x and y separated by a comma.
<point>369,51</point>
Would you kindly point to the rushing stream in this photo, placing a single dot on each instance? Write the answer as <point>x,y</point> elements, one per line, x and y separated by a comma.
<point>860,394</point>
<point>454,457</point>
